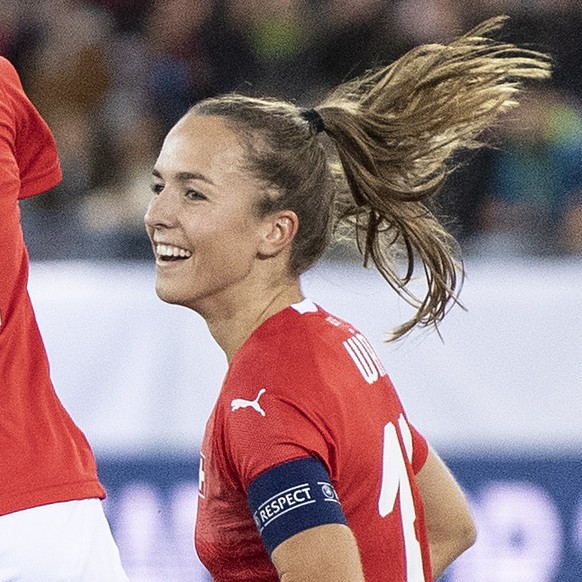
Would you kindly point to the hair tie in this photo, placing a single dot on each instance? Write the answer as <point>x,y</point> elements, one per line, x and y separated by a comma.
<point>314,119</point>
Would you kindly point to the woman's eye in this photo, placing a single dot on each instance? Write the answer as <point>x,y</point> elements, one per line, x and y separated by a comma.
<point>156,188</point>
<point>195,195</point>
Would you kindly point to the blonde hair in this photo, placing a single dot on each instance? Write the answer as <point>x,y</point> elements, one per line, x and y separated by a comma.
<point>396,133</point>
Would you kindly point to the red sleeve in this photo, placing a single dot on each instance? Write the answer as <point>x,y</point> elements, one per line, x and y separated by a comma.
<point>25,138</point>
<point>256,447</point>
<point>292,428</point>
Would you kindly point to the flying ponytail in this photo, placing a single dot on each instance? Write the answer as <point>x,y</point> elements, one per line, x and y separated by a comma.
<point>397,133</point>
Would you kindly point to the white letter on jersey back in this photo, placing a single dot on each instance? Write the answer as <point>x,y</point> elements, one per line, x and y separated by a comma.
<point>365,358</point>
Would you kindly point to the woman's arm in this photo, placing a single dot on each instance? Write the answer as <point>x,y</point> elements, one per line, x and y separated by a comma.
<point>327,553</point>
<point>449,523</point>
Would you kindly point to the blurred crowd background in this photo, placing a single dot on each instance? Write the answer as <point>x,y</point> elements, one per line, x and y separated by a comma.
<point>112,76</point>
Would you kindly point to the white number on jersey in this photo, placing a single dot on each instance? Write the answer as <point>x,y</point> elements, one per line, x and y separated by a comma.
<point>395,481</point>
<point>201,476</point>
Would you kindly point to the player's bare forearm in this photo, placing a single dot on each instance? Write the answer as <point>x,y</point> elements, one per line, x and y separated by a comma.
<point>449,524</point>
<point>326,553</point>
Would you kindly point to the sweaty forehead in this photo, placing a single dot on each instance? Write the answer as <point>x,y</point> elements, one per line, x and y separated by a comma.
<point>201,144</point>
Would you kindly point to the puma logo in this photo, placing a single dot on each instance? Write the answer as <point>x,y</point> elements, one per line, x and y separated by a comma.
<point>242,403</point>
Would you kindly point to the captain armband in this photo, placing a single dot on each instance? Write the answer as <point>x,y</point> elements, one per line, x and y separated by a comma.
<point>291,498</point>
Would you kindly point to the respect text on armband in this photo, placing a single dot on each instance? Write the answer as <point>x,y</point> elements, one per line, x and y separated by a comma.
<point>281,503</point>
<point>298,492</point>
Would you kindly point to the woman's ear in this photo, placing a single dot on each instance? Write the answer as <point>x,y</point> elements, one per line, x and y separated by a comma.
<point>277,233</point>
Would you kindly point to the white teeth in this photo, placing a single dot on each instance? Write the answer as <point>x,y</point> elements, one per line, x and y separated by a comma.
<point>172,251</point>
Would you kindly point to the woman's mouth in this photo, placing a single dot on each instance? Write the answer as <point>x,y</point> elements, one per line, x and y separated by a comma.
<point>165,252</point>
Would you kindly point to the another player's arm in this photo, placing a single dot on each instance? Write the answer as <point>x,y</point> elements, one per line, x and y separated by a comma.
<point>449,523</point>
<point>327,553</point>
<point>302,524</point>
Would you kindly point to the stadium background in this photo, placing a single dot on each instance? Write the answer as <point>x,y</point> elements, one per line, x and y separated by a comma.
<point>500,397</point>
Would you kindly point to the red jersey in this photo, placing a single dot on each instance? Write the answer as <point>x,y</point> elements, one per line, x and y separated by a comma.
<point>44,457</point>
<point>306,384</point>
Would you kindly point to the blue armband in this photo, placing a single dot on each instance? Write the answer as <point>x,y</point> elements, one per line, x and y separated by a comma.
<point>291,498</point>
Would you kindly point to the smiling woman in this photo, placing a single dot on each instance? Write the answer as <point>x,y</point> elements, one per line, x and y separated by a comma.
<point>311,469</point>
<point>203,214</point>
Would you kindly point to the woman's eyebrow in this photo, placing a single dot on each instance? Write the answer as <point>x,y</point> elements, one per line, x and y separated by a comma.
<point>186,176</point>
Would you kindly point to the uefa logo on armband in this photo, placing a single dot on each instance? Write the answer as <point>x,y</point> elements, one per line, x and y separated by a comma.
<point>328,491</point>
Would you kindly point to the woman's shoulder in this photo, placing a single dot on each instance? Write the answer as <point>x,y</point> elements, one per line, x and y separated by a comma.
<point>300,341</point>
<point>303,327</point>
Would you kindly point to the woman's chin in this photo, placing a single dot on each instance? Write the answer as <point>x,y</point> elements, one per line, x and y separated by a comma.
<point>168,294</point>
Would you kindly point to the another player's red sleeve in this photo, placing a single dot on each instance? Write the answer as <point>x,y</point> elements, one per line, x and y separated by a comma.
<point>26,136</point>
<point>10,174</point>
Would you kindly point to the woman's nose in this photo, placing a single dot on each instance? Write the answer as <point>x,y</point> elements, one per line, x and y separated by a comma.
<point>160,212</point>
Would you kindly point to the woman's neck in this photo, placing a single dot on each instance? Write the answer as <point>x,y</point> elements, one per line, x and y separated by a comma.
<point>232,327</point>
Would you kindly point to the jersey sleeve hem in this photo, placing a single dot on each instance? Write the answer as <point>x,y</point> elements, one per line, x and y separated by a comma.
<point>40,183</point>
<point>55,494</point>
